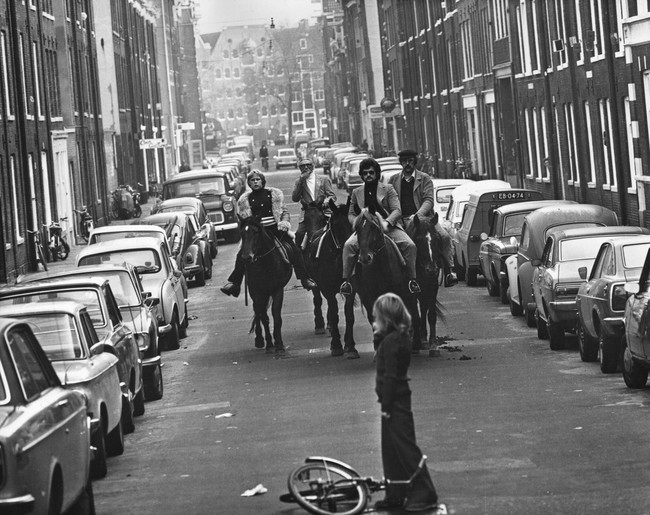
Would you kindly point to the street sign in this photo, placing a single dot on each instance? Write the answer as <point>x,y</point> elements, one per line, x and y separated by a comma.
<point>186,126</point>
<point>152,143</point>
<point>378,112</point>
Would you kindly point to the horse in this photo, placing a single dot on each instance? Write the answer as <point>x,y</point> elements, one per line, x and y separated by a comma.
<point>379,270</point>
<point>324,260</point>
<point>314,219</point>
<point>267,273</point>
<point>428,265</point>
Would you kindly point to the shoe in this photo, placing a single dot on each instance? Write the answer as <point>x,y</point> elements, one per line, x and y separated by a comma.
<point>451,280</point>
<point>308,284</point>
<point>231,289</point>
<point>346,288</point>
<point>388,504</point>
<point>414,287</point>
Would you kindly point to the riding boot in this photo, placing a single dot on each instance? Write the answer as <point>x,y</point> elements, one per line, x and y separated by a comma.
<point>295,256</point>
<point>233,286</point>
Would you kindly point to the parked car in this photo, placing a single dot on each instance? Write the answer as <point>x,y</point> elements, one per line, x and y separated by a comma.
<point>329,160</point>
<point>97,295</point>
<point>235,176</point>
<point>533,238</point>
<point>204,229</point>
<point>190,248</point>
<point>350,172</point>
<point>216,192</point>
<point>83,363</point>
<point>502,241</point>
<point>117,232</point>
<point>137,314</point>
<point>601,300</point>
<point>160,279</point>
<point>442,192</point>
<point>286,157</point>
<point>476,221</point>
<point>387,171</point>
<point>636,341</point>
<point>556,279</point>
<point>336,172</point>
<point>319,155</point>
<point>45,434</point>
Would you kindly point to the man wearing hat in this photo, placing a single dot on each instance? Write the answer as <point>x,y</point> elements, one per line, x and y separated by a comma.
<point>415,193</point>
<point>310,188</point>
<point>268,205</point>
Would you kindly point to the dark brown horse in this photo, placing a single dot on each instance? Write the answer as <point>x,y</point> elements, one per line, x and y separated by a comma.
<point>380,270</point>
<point>324,259</point>
<point>314,220</point>
<point>267,273</point>
<point>428,265</point>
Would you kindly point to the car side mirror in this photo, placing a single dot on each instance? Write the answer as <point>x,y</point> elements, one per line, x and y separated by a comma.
<point>100,347</point>
<point>582,272</point>
<point>536,262</point>
<point>146,294</point>
<point>632,288</point>
<point>151,301</point>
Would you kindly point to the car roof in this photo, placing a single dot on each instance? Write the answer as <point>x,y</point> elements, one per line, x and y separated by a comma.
<point>181,201</point>
<point>463,191</point>
<point>107,246</point>
<point>438,183</point>
<point>107,229</point>
<point>532,205</point>
<point>588,232</point>
<point>198,174</point>
<point>42,306</point>
<point>85,270</point>
<point>54,283</point>
<point>621,241</point>
<point>561,213</point>
<point>169,216</point>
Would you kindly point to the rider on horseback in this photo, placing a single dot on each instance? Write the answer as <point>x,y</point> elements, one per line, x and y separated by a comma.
<point>268,205</point>
<point>383,198</point>
<point>415,193</point>
<point>308,188</point>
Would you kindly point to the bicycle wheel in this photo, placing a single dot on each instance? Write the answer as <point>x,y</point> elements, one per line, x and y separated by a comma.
<point>321,490</point>
<point>41,256</point>
<point>63,250</point>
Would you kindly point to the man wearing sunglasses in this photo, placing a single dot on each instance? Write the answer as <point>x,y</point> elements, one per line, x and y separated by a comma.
<point>383,198</point>
<point>310,188</point>
<point>415,192</point>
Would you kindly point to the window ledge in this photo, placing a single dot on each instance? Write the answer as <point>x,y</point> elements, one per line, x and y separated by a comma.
<point>607,187</point>
<point>632,191</point>
<point>591,185</point>
<point>546,180</point>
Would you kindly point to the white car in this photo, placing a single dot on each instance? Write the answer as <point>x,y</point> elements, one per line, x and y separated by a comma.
<point>286,157</point>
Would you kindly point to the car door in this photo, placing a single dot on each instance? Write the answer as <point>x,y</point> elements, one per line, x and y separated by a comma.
<point>542,280</point>
<point>56,417</point>
<point>174,291</point>
<point>596,292</point>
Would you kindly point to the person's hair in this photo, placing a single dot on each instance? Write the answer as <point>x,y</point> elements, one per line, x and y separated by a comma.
<point>389,312</point>
<point>252,174</point>
<point>370,162</point>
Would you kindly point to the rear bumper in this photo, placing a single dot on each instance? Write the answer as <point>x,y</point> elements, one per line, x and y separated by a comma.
<point>17,505</point>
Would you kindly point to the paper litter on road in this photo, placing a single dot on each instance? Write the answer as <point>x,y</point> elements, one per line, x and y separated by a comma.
<point>258,490</point>
<point>224,415</point>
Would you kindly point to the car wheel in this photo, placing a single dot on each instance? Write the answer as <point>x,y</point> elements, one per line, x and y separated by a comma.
<point>153,383</point>
<point>85,503</point>
<point>460,271</point>
<point>492,288</point>
<point>472,276</point>
<point>609,354</point>
<point>128,424</point>
<point>555,335</point>
<point>542,333</point>
<point>172,337</point>
<point>634,375</point>
<point>208,270</point>
<point>515,309</point>
<point>588,347</point>
<point>115,440</point>
<point>98,467</point>
<point>503,291</point>
<point>182,328</point>
<point>199,278</point>
<point>530,316</point>
<point>138,403</point>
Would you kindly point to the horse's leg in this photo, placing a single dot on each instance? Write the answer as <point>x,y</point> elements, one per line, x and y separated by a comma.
<point>260,307</point>
<point>412,306</point>
<point>350,345</point>
<point>276,312</point>
<point>423,303</point>
<point>433,320</point>
<point>319,323</point>
<point>259,338</point>
<point>336,349</point>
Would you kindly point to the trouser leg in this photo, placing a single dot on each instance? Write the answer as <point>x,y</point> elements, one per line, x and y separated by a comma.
<point>295,256</point>
<point>238,272</point>
<point>300,234</point>
<point>406,247</point>
<point>447,250</point>
<point>350,253</point>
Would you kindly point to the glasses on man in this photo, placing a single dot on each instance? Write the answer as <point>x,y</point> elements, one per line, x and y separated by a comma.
<point>408,161</point>
<point>370,171</point>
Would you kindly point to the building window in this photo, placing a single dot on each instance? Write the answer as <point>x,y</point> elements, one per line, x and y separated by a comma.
<point>15,195</point>
<point>303,43</point>
<point>531,150</point>
<point>235,73</point>
<point>297,116</point>
<point>590,143</point>
<point>468,53</point>
<point>295,96</point>
<point>5,71</point>
<point>573,142</point>
<point>226,54</point>
<point>37,82</point>
<point>607,141</point>
<point>630,129</point>
<point>26,97</point>
<point>319,94</point>
<point>595,35</point>
<point>500,9</point>
<point>560,31</point>
<point>544,169</point>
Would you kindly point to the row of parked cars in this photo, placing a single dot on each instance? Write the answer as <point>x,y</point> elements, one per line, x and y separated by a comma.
<point>566,267</point>
<point>80,353</point>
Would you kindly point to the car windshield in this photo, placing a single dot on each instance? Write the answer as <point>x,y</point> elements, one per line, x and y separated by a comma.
<point>196,188</point>
<point>634,255</point>
<point>87,297</point>
<point>513,223</point>
<point>443,195</point>
<point>286,153</point>
<point>108,236</point>
<point>147,260</point>
<point>579,248</point>
<point>58,335</point>
<point>123,288</point>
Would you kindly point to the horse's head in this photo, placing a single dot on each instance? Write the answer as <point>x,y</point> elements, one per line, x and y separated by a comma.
<point>370,236</point>
<point>427,243</point>
<point>339,223</point>
<point>253,238</point>
<point>314,215</point>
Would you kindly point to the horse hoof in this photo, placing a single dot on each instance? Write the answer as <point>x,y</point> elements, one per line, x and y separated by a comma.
<point>434,353</point>
<point>337,351</point>
<point>353,354</point>
<point>319,330</point>
<point>259,344</point>
<point>280,350</point>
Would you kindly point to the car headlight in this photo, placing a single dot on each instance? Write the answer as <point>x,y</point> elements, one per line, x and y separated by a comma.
<point>189,259</point>
<point>228,206</point>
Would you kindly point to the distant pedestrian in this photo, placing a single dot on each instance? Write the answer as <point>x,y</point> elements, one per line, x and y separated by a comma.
<point>399,450</point>
<point>364,145</point>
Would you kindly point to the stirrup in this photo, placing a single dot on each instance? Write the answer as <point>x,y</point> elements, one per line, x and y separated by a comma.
<point>414,287</point>
<point>346,288</point>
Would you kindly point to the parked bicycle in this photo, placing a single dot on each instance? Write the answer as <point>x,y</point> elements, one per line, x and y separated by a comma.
<point>86,223</point>
<point>59,248</point>
<point>125,203</point>
<point>38,247</point>
<point>325,485</point>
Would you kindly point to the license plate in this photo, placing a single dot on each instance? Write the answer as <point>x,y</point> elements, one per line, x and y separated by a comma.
<point>513,195</point>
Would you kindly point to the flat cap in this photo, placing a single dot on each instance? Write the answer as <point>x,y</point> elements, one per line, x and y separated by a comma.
<point>305,161</point>
<point>407,153</point>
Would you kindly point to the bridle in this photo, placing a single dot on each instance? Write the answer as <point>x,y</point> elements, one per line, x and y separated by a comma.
<point>262,235</point>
